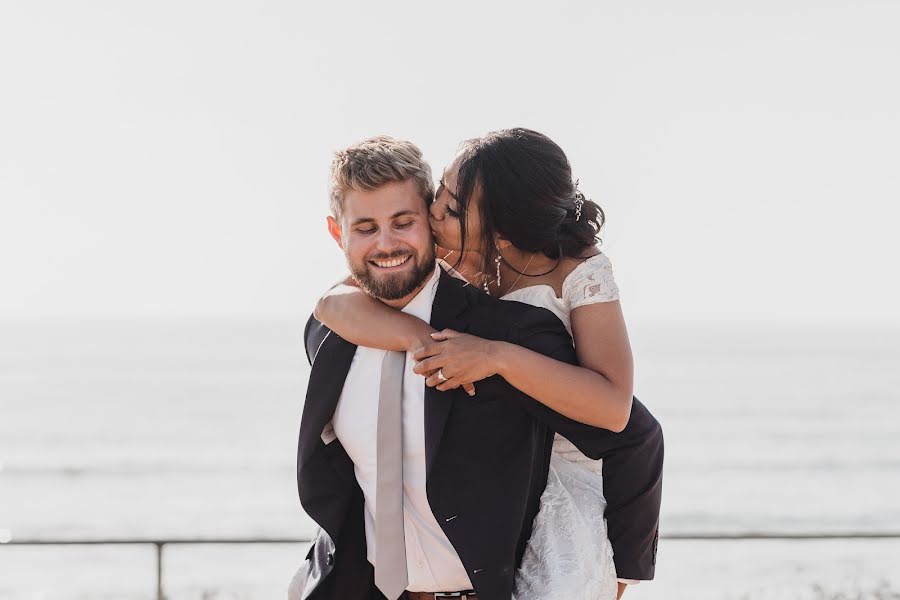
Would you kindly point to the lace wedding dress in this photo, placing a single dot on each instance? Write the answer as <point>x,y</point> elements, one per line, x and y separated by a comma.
<point>569,556</point>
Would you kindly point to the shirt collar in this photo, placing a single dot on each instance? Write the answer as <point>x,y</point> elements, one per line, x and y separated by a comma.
<point>420,305</point>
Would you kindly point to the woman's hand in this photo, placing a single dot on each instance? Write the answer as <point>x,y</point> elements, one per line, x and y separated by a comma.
<point>462,358</point>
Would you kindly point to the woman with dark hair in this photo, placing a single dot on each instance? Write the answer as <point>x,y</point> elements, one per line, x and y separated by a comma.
<point>509,217</point>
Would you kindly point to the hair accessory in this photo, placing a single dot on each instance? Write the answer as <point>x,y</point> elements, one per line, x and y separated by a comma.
<point>579,201</point>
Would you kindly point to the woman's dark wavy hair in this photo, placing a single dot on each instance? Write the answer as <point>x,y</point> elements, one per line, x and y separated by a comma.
<point>527,195</point>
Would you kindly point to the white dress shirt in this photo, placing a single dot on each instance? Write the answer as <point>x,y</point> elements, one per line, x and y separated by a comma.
<point>432,562</point>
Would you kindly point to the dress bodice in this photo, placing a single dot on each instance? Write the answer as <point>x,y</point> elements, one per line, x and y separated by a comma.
<point>590,282</point>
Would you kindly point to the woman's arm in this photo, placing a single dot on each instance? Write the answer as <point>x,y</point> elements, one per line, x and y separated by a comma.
<point>364,321</point>
<point>597,393</point>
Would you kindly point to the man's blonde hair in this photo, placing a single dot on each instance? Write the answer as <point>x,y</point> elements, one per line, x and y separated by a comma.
<point>375,162</point>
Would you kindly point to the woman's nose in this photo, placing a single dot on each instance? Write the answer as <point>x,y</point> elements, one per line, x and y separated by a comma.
<point>434,212</point>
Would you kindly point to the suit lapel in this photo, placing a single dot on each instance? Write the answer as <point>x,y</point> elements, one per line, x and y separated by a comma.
<point>447,312</point>
<point>326,381</point>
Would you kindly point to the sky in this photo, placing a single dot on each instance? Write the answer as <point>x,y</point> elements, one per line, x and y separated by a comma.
<point>171,158</point>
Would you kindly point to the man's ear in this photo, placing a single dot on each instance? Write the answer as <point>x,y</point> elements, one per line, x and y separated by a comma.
<point>334,228</point>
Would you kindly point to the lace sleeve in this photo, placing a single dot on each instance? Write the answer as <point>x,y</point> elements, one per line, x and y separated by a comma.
<point>590,282</point>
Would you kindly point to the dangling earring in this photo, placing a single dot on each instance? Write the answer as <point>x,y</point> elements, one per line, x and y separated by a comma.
<point>484,280</point>
<point>497,261</point>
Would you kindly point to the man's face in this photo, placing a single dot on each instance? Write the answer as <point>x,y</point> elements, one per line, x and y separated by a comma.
<point>387,240</point>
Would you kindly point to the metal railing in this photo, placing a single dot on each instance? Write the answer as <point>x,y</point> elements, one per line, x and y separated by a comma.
<point>160,543</point>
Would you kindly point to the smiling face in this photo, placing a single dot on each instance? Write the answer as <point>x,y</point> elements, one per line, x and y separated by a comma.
<point>387,240</point>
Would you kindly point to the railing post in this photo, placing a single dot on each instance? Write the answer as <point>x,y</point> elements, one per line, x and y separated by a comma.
<point>159,571</point>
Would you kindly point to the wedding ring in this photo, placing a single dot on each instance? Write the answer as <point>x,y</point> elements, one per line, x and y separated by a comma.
<point>441,375</point>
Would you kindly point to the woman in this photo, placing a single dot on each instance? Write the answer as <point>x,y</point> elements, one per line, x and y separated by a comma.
<point>515,224</point>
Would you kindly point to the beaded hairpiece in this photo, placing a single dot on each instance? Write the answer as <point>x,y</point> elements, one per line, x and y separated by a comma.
<point>579,201</point>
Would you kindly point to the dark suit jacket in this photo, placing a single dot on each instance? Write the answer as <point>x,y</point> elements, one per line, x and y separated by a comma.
<point>486,459</point>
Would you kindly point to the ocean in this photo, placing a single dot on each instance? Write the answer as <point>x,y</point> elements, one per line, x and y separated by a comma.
<point>186,428</point>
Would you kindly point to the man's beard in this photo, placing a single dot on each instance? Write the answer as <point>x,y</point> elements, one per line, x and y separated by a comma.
<point>393,286</point>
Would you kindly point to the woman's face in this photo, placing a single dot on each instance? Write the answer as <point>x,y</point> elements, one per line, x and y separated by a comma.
<point>445,213</point>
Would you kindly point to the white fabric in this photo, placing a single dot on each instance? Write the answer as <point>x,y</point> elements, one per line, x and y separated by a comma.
<point>298,582</point>
<point>569,556</point>
<point>589,283</point>
<point>432,563</point>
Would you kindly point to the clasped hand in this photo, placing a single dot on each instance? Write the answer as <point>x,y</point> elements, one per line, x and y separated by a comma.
<point>462,358</point>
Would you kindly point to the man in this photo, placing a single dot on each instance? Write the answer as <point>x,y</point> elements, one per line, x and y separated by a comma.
<point>417,491</point>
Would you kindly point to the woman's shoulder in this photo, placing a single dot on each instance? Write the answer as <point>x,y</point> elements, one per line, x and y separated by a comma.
<point>590,281</point>
<point>574,267</point>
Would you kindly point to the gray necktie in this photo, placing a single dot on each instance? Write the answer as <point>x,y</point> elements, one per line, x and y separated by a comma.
<point>390,543</point>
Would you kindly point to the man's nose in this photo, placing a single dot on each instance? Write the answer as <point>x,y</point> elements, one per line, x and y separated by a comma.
<point>387,240</point>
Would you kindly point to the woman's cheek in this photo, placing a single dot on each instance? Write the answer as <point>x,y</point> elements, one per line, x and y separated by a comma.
<point>445,241</point>
<point>449,235</point>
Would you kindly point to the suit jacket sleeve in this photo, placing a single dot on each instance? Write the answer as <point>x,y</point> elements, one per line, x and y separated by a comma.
<point>632,459</point>
<point>313,335</point>
<point>306,339</point>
